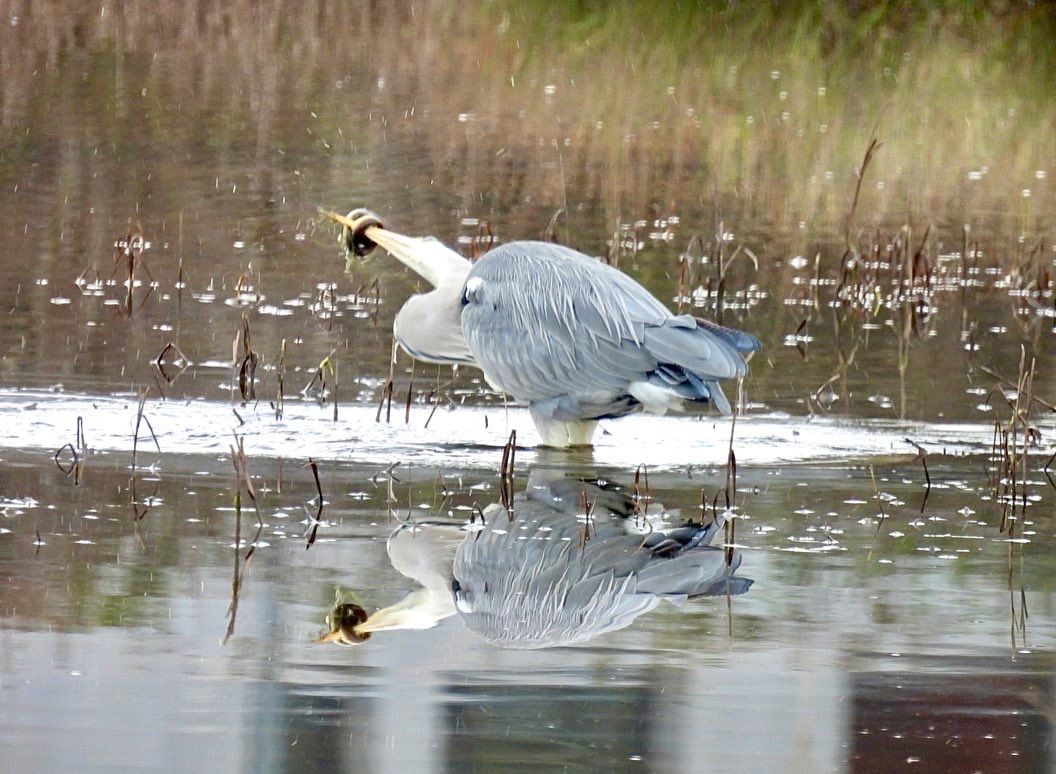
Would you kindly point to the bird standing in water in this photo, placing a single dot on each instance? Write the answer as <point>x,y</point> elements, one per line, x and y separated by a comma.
<point>574,338</point>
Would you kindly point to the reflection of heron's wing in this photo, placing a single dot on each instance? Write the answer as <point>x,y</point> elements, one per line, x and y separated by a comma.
<point>535,582</point>
<point>567,494</point>
<point>545,321</point>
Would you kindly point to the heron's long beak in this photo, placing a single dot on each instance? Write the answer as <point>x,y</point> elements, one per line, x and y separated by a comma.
<point>430,259</point>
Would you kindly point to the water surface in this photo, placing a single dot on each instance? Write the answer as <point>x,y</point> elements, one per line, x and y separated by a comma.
<point>901,613</point>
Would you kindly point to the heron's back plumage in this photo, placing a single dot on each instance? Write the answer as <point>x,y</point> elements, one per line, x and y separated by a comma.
<point>536,582</point>
<point>578,339</point>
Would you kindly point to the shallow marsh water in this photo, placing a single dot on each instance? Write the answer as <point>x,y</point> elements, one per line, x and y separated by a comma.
<point>855,647</point>
<point>889,626</point>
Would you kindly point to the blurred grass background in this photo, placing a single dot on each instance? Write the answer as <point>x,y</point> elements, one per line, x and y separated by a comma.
<point>758,111</point>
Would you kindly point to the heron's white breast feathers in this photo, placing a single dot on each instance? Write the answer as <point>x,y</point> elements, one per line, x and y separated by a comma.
<point>429,328</point>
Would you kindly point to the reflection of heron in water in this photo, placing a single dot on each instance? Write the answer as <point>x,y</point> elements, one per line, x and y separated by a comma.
<point>552,575</point>
<point>423,551</point>
<point>574,338</point>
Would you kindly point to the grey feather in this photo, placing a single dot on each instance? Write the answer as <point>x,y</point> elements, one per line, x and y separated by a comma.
<point>552,326</point>
<point>534,582</point>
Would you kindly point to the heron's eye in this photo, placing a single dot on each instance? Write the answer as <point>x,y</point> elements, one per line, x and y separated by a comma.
<point>471,292</point>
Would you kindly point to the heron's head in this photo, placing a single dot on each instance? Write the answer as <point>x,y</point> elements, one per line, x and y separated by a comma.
<point>356,228</point>
<point>440,266</point>
<point>354,236</point>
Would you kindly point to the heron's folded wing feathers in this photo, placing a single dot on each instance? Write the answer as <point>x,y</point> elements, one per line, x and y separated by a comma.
<point>544,320</point>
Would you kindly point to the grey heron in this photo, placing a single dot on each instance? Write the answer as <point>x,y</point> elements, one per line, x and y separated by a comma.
<point>575,563</point>
<point>577,340</point>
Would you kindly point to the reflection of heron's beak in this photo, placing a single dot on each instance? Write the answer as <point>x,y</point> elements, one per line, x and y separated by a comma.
<point>340,638</point>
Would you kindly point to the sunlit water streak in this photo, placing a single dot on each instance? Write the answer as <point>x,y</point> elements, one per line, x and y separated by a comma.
<point>461,437</point>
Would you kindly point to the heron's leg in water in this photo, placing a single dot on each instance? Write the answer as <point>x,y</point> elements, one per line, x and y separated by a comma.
<point>581,433</point>
<point>560,434</point>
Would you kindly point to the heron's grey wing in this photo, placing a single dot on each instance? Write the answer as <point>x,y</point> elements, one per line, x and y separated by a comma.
<point>537,582</point>
<point>521,584</point>
<point>543,320</point>
<point>541,323</point>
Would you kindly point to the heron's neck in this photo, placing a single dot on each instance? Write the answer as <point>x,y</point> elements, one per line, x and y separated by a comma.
<point>430,259</point>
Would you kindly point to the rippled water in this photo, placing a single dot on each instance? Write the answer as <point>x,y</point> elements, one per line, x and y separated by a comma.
<point>901,607</point>
<point>859,641</point>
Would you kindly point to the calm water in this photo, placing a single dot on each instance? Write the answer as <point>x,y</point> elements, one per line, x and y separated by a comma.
<point>888,625</point>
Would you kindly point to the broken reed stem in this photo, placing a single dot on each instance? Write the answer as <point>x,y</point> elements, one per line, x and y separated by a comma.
<point>1025,388</point>
<point>1012,384</point>
<point>883,512</point>
<point>386,395</point>
<point>731,476</point>
<point>434,396</point>
<point>337,382</point>
<point>131,274</point>
<point>680,292</point>
<point>244,477</point>
<point>280,373</point>
<point>731,483</point>
<point>1047,470</point>
<point>140,509</point>
<point>327,377</point>
<point>179,297</point>
<point>639,500</point>
<point>874,145</point>
<point>236,575</point>
<point>73,468</point>
<point>922,456</point>
<point>410,392</point>
<point>720,274</point>
<point>243,483</point>
<point>506,472</point>
<point>586,507</point>
<point>1012,442</point>
<point>158,364</point>
<point>140,418</point>
<point>247,364</point>
<point>317,519</point>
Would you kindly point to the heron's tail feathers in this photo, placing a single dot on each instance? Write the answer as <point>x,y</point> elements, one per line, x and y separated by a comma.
<point>693,567</point>
<point>668,387</point>
<point>745,343</point>
<point>693,356</point>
